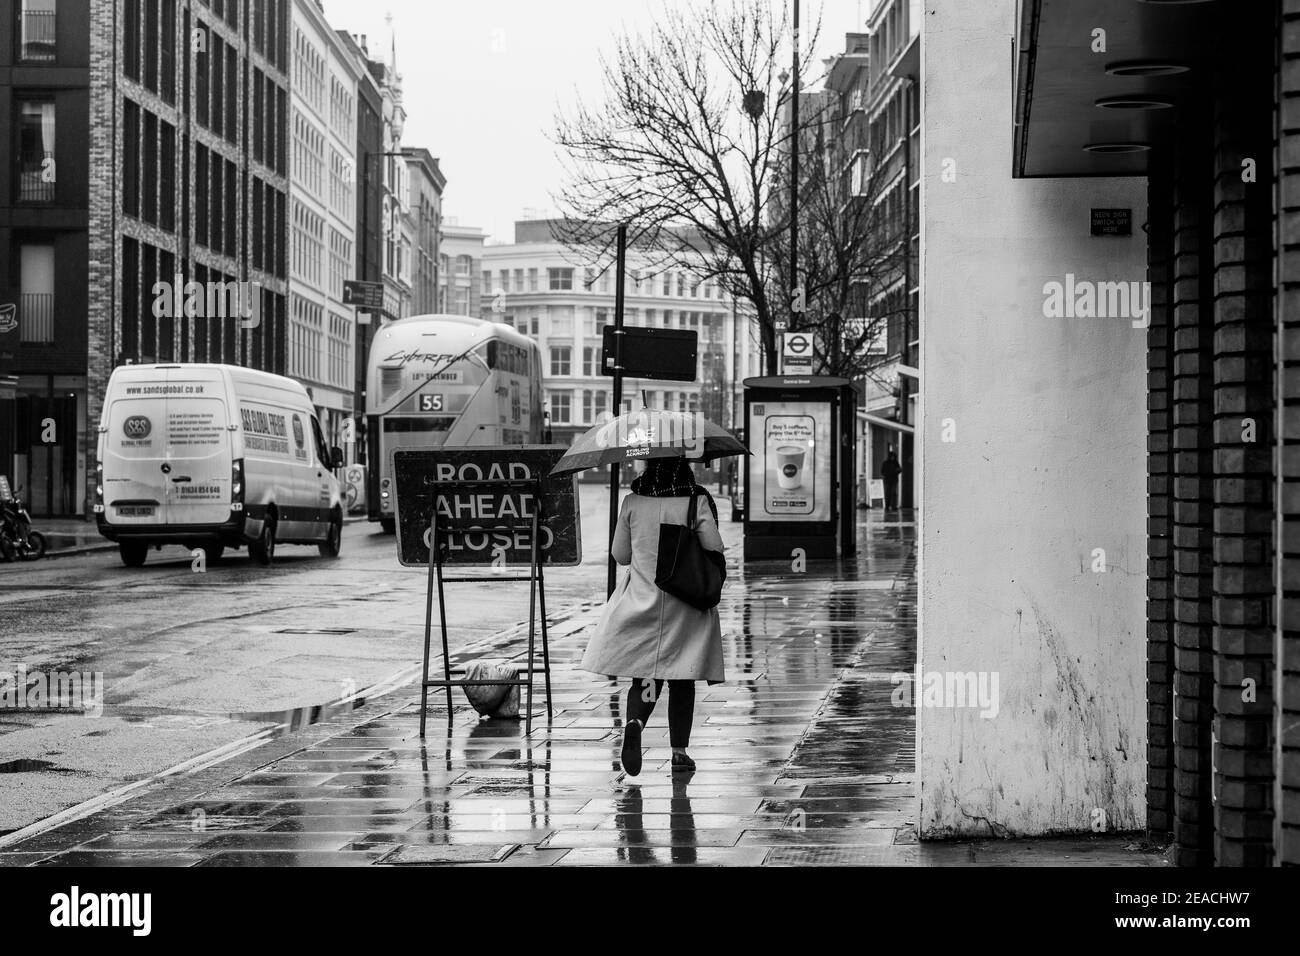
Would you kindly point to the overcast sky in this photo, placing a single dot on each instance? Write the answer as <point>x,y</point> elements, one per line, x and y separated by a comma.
<point>481,81</point>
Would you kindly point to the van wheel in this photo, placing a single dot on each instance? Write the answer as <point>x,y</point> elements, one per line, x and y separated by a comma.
<point>133,553</point>
<point>329,548</point>
<point>389,525</point>
<point>263,549</point>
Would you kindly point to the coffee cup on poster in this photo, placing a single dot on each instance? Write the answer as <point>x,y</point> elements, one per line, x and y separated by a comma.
<point>789,465</point>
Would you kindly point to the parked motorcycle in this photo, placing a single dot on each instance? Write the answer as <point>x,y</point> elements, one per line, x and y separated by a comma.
<point>17,539</point>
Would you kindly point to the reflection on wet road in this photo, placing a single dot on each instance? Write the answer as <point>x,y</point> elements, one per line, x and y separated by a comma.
<point>802,759</point>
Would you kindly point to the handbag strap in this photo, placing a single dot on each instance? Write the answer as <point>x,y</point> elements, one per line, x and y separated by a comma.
<point>692,509</point>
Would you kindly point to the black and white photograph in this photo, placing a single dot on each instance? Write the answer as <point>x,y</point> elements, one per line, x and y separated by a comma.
<point>845,438</point>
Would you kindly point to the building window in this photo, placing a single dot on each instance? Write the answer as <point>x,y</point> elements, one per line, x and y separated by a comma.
<point>149,169</point>
<point>463,264</point>
<point>36,298</point>
<point>590,361</point>
<point>130,158</point>
<point>216,65</point>
<point>232,93</point>
<point>151,47</point>
<point>561,408</point>
<point>561,360</point>
<point>36,31</point>
<point>232,197</point>
<point>487,282</point>
<point>560,324</point>
<point>167,178</point>
<point>215,206</point>
<point>559,280</point>
<point>36,170</point>
<point>201,208</point>
<point>532,280</point>
<point>168,79</point>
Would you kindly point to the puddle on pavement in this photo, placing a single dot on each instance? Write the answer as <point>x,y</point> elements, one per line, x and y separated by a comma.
<point>26,765</point>
<point>288,721</point>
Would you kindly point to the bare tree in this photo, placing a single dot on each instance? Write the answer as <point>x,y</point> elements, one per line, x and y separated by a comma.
<point>852,245</point>
<point>671,151</point>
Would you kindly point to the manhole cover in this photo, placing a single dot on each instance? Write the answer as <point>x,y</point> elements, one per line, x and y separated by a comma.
<point>447,854</point>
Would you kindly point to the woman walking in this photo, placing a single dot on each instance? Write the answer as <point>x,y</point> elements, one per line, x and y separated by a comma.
<point>647,634</point>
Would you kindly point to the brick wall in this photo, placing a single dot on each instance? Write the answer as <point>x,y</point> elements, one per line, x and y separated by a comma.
<point>1243,456</point>
<point>1193,678</point>
<point>1160,570</point>
<point>104,207</point>
<point>1287,645</point>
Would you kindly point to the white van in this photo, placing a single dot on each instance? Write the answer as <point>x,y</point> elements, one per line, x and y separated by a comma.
<point>213,456</point>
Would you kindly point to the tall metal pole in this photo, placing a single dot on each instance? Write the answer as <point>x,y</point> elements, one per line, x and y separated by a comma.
<point>620,265</point>
<point>794,159</point>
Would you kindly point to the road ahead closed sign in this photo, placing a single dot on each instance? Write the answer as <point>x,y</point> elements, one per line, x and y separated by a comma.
<point>488,524</point>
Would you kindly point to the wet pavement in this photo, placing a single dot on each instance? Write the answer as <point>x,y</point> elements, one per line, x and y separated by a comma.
<point>802,756</point>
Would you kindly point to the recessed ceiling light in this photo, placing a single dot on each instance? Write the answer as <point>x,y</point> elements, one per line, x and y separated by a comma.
<point>1145,68</point>
<point>1135,102</point>
<point>1116,147</point>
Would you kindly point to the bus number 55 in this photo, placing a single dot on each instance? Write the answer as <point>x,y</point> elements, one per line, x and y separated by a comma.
<point>431,403</point>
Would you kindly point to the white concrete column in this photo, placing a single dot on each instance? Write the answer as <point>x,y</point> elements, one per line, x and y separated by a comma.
<point>1032,451</point>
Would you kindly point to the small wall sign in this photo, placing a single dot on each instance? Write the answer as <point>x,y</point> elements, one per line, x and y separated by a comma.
<point>1112,222</point>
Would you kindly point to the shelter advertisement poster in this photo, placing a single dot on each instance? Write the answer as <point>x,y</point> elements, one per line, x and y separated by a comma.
<point>791,479</point>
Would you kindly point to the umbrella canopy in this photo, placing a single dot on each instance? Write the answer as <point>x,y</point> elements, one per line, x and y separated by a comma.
<point>649,433</point>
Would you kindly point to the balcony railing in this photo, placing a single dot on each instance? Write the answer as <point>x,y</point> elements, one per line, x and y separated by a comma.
<point>32,179</point>
<point>36,317</point>
<point>36,36</point>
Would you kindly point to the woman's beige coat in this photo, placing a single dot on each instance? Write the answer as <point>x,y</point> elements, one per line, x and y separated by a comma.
<point>646,632</point>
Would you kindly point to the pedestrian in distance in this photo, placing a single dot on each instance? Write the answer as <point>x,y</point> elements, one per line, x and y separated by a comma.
<point>647,634</point>
<point>890,469</point>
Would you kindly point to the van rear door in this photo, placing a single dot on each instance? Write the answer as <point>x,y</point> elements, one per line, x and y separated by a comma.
<point>167,450</point>
<point>198,447</point>
<point>134,450</point>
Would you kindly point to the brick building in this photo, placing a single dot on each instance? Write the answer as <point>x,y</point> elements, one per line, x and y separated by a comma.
<point>191,107</point>
<point>45,184</point>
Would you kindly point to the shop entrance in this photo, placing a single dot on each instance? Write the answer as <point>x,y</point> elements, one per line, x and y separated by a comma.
<point>42,458</point>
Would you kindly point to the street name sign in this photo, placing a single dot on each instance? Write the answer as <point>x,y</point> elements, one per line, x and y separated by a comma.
<point>363,294</point>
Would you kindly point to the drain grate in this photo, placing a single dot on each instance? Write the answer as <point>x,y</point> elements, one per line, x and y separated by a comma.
<point>316,630</point>
<point>450,854</point>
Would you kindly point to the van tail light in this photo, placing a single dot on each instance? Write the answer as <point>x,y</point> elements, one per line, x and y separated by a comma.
<point>237,485</point>
<point>99,487</point>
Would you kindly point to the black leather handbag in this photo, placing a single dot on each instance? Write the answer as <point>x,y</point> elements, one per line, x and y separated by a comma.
<point>686,569</point>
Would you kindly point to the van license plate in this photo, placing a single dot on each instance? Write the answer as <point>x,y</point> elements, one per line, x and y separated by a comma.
<point>135,511</point>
